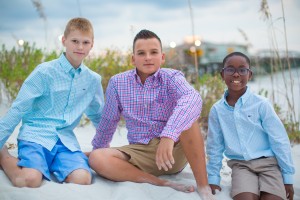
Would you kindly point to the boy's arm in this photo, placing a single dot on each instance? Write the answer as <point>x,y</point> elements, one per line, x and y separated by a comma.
<point>214,148</point>
<point>280,143</point>
<point>289,189</point>
<point>32,88</point>
<point>109,120</point>
<point>94,110</point>
<point>187,109</point>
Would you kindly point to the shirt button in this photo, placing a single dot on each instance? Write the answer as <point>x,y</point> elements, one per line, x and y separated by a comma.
<point>145,105</point>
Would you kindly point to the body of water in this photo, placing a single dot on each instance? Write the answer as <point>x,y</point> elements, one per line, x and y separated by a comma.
<point>283,88</point>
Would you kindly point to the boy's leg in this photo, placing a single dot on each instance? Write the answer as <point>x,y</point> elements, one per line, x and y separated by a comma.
<point>71,167</point>
<point>79,176</point>
<point>251,196</point>
<point>256,179</point>
<point>193,146</point>
<point>19,176</point>
<point>246,196</point>
<point>113,164</point>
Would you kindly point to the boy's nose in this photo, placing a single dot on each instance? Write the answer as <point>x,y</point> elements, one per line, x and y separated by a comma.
<point>80,45</point>
<point>236,73</point>
<point>148,56</point>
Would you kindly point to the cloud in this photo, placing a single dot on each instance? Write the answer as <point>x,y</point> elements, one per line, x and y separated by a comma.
<point>117,21</point>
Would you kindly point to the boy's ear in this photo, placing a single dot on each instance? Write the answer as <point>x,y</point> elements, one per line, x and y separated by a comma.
<point>163,58</point>
<point>63,39</point>
<point>250,75</point>
<point>222,75</point>
<point>133,60</point>
<point>92,44</point>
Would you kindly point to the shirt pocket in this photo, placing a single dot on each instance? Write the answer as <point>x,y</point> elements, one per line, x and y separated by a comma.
<point>253,119</point>
<point>160,112</point>
<point>253,128</point>
<point>60,96</point>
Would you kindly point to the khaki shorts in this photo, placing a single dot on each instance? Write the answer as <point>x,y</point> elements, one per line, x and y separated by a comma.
<point>255,176</point>
<point>143,157</point>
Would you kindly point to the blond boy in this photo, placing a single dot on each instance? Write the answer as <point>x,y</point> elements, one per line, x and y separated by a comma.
<point>50,104</point>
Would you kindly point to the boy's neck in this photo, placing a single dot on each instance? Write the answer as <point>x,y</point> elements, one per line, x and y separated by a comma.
<point>233,96</point>
<point>74,65</point>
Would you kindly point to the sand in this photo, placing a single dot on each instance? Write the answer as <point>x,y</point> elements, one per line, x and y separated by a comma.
<point>102,189</point>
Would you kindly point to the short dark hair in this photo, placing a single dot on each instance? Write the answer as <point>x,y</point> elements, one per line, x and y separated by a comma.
<point>145,34</point>
<point>236,54</point>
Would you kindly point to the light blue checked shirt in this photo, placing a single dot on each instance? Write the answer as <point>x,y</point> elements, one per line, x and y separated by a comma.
<point>164,106</point>
<point>51,102</point>
<point>247,131</point>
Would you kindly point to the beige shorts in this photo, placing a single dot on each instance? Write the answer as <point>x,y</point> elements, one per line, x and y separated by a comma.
<point>143,157</point>
<point>255,176</point>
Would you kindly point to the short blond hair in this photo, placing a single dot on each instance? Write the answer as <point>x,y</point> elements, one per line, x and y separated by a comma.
<point>80,24</point>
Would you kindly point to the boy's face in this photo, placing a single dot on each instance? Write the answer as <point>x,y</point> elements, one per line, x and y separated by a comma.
<point>238,80</point>
<point>78,45</point>
<point>147,57</point>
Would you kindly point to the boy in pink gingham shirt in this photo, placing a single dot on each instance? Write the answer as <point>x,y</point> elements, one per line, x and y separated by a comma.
<point>161,111</point>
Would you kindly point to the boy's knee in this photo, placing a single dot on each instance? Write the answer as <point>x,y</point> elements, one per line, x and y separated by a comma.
<point>100,160</point>
<point>33,180</point>
<point>96,157</point>
<point>80,176</point>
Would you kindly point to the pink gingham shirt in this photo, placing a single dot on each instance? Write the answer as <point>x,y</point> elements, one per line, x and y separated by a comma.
<point>164,106</point>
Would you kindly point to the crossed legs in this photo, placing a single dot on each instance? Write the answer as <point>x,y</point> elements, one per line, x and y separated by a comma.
<point>111,163</point>
<point>29,177</point>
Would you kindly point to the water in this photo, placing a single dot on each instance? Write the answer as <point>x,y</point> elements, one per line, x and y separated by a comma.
<point>285,87</point>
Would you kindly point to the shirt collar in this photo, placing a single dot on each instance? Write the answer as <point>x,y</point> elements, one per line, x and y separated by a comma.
<point>67,67</point>
<point>246,95</point>
<point>153,77</point>
<point>242,99</point>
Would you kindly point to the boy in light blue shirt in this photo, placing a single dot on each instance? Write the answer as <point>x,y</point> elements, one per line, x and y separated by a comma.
<point>245,128</point>
<point>50,104</point>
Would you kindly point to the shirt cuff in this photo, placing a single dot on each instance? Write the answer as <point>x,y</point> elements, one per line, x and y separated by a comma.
<point>214,180</point>
<point>175,139</point>
<point>287,178</point>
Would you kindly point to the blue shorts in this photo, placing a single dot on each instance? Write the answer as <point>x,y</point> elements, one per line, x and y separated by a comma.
<point>60,161</point>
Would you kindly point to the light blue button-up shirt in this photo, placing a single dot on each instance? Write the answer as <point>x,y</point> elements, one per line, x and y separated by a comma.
<point>51,102</point>
<point>247,131</point>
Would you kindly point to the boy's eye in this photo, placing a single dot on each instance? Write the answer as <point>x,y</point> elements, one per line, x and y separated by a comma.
<point>140,53</point>
<point>86,42</point>
<point>75,41</point>
<point>230,70</point>
<point>242,70</point>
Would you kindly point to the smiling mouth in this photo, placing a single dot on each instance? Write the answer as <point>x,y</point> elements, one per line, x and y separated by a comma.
<point>235,82</point>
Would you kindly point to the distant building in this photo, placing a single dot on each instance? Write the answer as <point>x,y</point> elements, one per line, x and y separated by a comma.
<point>267,61</point>
<point>209,56</point>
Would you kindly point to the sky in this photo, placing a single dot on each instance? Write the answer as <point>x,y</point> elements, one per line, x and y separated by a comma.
<point>117,21</point>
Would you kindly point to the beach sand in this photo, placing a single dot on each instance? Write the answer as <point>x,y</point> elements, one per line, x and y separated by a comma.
<point>103,189</point>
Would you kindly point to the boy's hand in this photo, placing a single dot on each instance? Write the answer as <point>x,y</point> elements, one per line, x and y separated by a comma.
<point>164,154</point>
<point>289,189</point>
<point>205,193</point>
<point>214,188</point>
<point>87,153</point>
